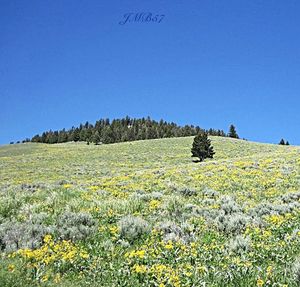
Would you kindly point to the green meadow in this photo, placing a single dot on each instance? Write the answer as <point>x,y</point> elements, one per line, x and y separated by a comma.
<point>144,214</point>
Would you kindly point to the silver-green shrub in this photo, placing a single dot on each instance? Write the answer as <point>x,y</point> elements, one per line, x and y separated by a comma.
<point>185,191</point>
<point>75,226</point>
<point>229,205</point>
<point>170,230</point>
<point>239,244</point>
<point>29,234</point>
<point>296,271</point>
<point>146,196</point>
<point>174,207</point>
<point>266,208</point>
<point>290,197</point>
<point>210,193</point>
<point>133,227</point>
<point>175,232</point>
<point>232,224</point>
<point>192,208</point>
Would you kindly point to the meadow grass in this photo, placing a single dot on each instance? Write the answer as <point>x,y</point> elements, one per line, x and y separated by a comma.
<point>144,214</point>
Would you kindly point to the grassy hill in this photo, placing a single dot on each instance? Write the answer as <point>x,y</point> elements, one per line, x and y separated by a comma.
<point>143,214</point>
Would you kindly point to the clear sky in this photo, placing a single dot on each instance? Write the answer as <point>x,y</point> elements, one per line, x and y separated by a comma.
<point>209,63</point>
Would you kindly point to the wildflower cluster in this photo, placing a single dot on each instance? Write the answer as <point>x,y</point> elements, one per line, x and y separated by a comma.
<point>51,254</point>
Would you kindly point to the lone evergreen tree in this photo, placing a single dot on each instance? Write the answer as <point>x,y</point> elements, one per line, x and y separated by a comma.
<point>202,147</point>
<point>232,132</point>
<point>287,143</point>
<point>282,142</point>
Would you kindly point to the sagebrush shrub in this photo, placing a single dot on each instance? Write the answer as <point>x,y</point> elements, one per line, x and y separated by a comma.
<point>291,197</point>
<point>75,226</point>
<point>156,195</point>
<point>207,192</point>
<point>229,205</point>
<point>185,191</point>
<point>266,208</point>
<point>133,227</point>
<point>172,231</point>
<point>146,196</point>
<point>239,244</point>
<point>296,271</point>
<point>29,234</point>
<point>209,213</point>
<point>232,224</point>
<point>174,207</point>
<point>192,208</point>
<point>31,187</point>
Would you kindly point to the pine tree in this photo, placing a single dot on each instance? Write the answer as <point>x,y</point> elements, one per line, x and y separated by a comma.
<point>82,134</point>
<point>232,132</point>
<point>108,135</point>
<point>76,135</point>
<point>287,143</point>
<point>36,138</point>
<point>96,138</point>
<point>202,147</point>
<point>282,142</point>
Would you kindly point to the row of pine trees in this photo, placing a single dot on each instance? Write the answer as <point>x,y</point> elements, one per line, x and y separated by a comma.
<point>125,129</point>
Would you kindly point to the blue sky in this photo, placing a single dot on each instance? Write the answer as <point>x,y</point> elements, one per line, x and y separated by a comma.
<point>209,63</point>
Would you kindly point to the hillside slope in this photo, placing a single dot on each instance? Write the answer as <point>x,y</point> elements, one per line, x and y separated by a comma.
<point>230,221</point>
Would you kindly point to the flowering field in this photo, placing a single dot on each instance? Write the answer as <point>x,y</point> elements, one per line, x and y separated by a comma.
<point>144,214</point>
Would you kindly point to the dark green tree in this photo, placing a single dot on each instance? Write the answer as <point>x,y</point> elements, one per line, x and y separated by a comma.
<point>36,139</point>
<point>232,132</point>
<point>287,143</point>
<point>44,137</point>
<point>282,142</point>
<point>96,138</point>
<point>82,134</point>
<point>202,147</point>
<point>76,135</point>
<point>62,136</point>
<point>108,135</point>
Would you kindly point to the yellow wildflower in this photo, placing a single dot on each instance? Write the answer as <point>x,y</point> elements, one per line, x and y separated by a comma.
<point>48,238</point>
<point>154,204</point>
<point>269,270</point>
<point>259,282</point>
<point>140,253</point>
<point>11,267</point>
<point>57,278</point>
<point>169,245</point>
<point>139,268</point>
<point>84,255</point>
<point>45,278</point>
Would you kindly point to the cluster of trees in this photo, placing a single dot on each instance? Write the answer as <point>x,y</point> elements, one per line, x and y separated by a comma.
<point>121,130</point>
<point>283,142</point>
